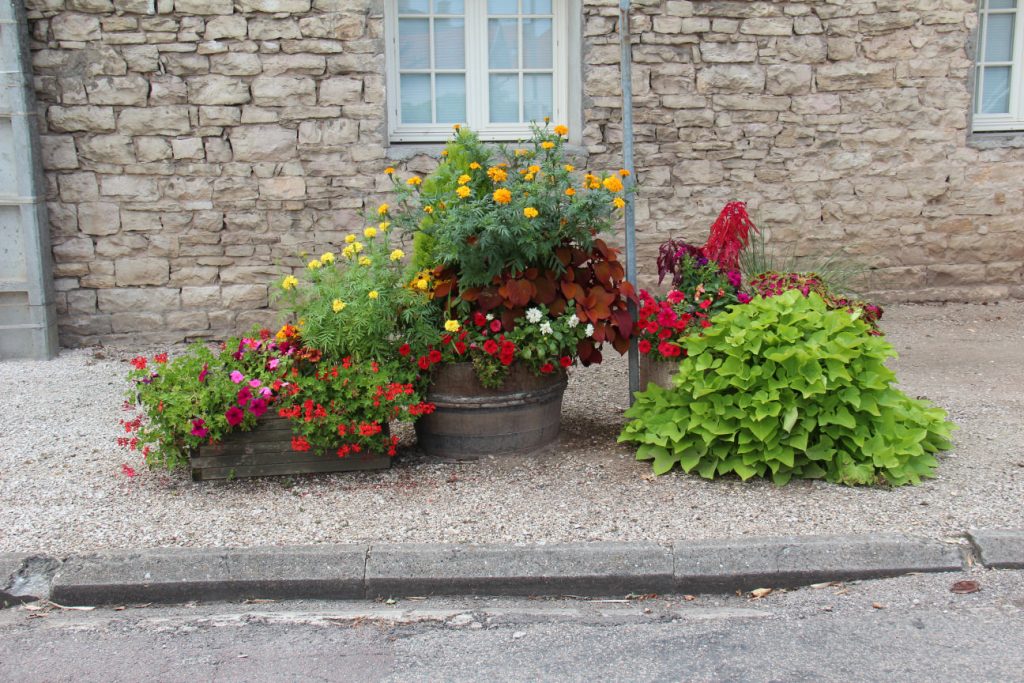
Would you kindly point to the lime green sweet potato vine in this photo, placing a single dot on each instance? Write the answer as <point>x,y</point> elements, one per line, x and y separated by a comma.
<point>784,387</point>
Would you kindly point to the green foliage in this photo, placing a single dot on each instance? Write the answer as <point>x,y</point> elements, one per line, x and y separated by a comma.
<point>840,273</point>
<point>785,387</point>
<point>356,303</point>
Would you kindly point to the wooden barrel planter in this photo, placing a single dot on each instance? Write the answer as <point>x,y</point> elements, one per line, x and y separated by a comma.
<point>470,420</point>
<point>267,450</point>
<point>657,370</point>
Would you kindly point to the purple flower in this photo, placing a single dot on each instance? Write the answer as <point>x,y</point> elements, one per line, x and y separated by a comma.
<point>237,377</point>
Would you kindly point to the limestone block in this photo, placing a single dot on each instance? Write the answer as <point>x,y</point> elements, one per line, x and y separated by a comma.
<point>802,49</point>
<point>193,276</point>
<point>327,134</point>
<point>273,29</point>
<point>215,89</point>
<point>217,150</point>
<point>263,143</point>
<point>125,323</point>
<point>125,244</point>
<point>341,90</point>
<point>854,76</point>
<point>78,187</point>
<point>129,90</point>
<point>335,26</point>
<point>148,149</point>
<point>789,79</point>
<point>141,271</point>
<point>219,116</point>
<point>128,299</point>
<point>309,65</point>
<point>165,120</point>
<point>767,26</point>
<point>204,7</point>
<point>75,119</point>
<point>75,249</point>
<point>282,188</point>
<point>82,301</point>
<point>138,188</point>
<point>236,64</point>
<point>185,63</point>
<point>244,296</point>
<point>235,189</point>
<point>187,148</point>
<point>142,58</point>
<point>58,152</point>
<point>187,189</point>
<point>283,91</point>
<point>807,24</point>
<point>248,275</point>
<point>135,6</point>
<point>78,27</point>
<point>274,6</point>
<point>201,296</point>
<point>731,78</point>
<point>99,218</point>
<point>107,149</point>
<point>728,52</point>
<point>226,27</point>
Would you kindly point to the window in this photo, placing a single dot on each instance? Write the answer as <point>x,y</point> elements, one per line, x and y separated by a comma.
<point>495,65</point>
<point>998,95</point>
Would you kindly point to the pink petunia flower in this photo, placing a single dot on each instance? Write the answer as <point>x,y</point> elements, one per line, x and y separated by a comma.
<point>237,377</point>
<point>255,383</point>
<point>234,416</point>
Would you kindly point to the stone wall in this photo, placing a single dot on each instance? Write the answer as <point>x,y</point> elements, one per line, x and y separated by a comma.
<point>194,147</point>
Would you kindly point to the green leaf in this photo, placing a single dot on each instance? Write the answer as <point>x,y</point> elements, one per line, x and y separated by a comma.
<point>790,418</point>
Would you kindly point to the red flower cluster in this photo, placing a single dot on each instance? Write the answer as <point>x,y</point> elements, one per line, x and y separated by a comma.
<point>299,443</point>
<point>139,362</point>
<point>422,408</point>
<point>662,322</point>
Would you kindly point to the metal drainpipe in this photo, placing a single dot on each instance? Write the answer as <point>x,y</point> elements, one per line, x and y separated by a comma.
<point>627,163</point>
<point>28,326</point>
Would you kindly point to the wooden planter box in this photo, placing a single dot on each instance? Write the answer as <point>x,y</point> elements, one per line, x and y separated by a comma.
<point>267,450</point>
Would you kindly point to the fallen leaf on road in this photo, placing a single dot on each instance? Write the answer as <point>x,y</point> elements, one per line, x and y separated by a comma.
<point>758,593</point>
<point>689,598</point>
<point>827,584</point>
<point>72,607</point>
<point>878,605</point>
<point>965,587</point>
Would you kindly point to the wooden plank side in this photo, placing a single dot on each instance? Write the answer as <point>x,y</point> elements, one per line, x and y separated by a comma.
<point>315,467</point>
<point>256,458</point>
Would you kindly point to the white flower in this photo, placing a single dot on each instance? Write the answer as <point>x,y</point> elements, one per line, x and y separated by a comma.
<point>573,321</point>
<point>490,317</point>
<point>534,315</point>
<point>590,330</point>
<point>545,327</point>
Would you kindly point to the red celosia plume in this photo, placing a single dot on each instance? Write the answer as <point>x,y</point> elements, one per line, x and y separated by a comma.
<point>729,234</point>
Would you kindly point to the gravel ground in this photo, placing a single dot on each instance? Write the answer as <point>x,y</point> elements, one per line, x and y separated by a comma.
<point>63,489</point>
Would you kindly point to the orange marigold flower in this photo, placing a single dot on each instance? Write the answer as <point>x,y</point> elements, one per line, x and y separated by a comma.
<point>624,172</point>
<point>613,184</point>
<point>463,191</point>
<point>502,196</point>
<point>561,130</point>
<point>496,174</point>
<point>570,192</point>
<point>389,170</point>
<point>474,166</point>
<point>530,212</point>
<point>415,180</point>
<point>547,144</point>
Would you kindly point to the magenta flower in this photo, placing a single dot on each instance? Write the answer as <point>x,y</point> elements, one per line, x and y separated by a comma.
<point>273,363</point>
<point>255,383</point>
<point>258,407</point>
<point>266,391</point>
<point>234,416</point>
<point>237,377</point>
<point>244,396</point>
<point>202,373</point>
<point>743,297</point>
<point>199,428</point>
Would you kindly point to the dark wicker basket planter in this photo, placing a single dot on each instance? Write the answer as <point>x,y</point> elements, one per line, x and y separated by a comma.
<point>267,450</point>
<point>470,420</point>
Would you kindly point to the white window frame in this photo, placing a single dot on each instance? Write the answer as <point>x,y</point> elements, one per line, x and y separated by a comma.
<point>477,92</point>
<point>1014,119</point>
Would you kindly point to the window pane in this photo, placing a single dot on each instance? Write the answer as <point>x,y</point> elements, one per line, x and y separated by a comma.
<point>997,90</point>
<point>413,6</point>
<point>504,98</point>
<point>451,98</point>
<point>449,43</point>
<point>415,98</point>
<point>502,6</point>
<point>999,38</point>
<point>536,6</point>
<point>1002,4</point>
<point>503,43</point>
<point>537,47</point>
<point>448,7</point>
<point>413,44</point>
<point>537,96</point>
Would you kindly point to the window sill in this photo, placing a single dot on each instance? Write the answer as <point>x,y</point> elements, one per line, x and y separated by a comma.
<point>996,140</point>
<point>403,151</point>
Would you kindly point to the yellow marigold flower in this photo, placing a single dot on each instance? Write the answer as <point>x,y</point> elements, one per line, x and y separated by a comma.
<point>474,166</point>
<point>389,170</point>
<point>338,305</point>
<point>569,168</point>
<point>383,226</point>
<point>348,252</point>
<point>451,326</point>
<point>463,179</point>
<point>528,176</point>
<point>547,144</point>
<point>613,184</point>
<point>463,191</point>
<point>415,180</point>
<point>327,257</point>
<point>364,260</point>
<point>422,285</point>
<point>358,246</point>
<point>370,232</point>
<point>561,130</point>
<point>314,265</point>
<point>290,282</point>
<point>428,208</point>
<point>444,152</point>
<point>349,239</point>
<point>397,255</point>
<point>502,196</point>
<point>570,192</point>
<point>382,209</point>
<point>619,202</point>
<point>373,294</point>
<point>521,152</point>
<point>624,172</point>
<point>496,174</point>
<point>533,169</point>
<point>530,212</point>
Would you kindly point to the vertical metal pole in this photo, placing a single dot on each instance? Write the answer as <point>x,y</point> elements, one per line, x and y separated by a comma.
<point>626,67</point>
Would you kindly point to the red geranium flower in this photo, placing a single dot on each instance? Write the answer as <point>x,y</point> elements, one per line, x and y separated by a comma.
<point>479,319</point>
<point>547,368</point>
<point>460,348</point>
<point>139,362</point>
<point>299,443</point>
<point>565,361</point>
<point>490,347</point>
<point>160,358</point>
<point>668,350</point>
<point>404,350</point>
<point>424,363</point>
<point>434,356</point>
<point>644,346</point>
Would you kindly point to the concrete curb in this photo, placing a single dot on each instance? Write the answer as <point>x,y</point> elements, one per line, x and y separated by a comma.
<point>999,549</point>
<point>584,569</point>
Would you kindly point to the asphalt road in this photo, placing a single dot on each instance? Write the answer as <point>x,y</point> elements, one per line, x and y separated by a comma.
<point>908,629</point>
